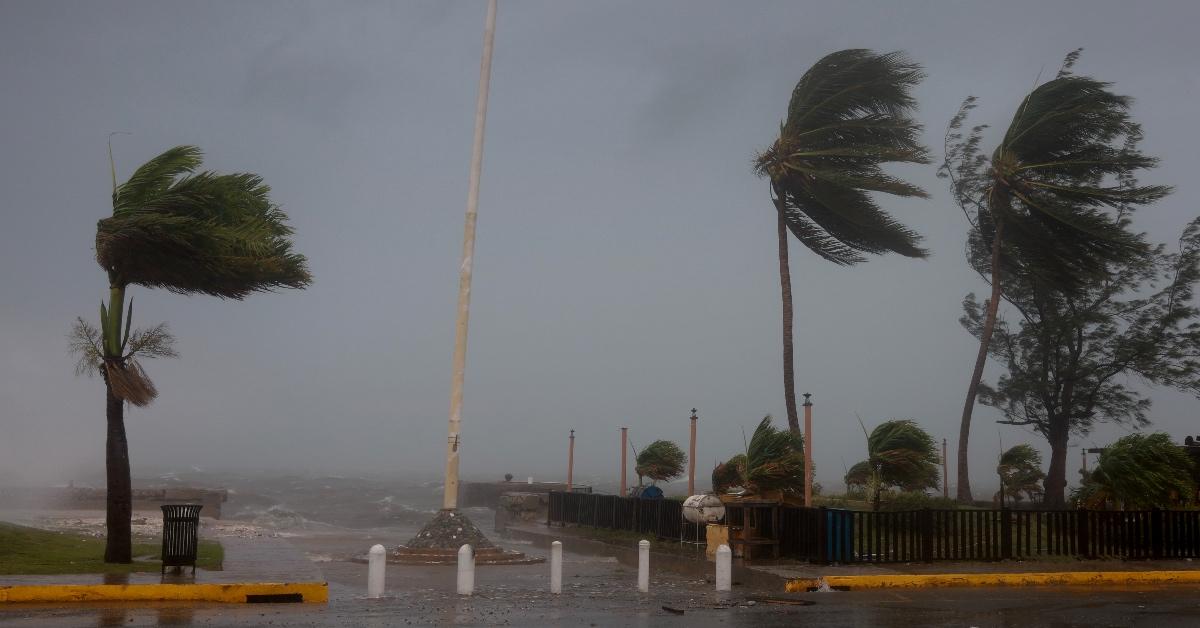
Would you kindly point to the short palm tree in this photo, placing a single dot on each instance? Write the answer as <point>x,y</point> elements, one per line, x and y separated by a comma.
<point>661,461</point>
<point>899,454</point>
<point>1140,471</point>
<point>1020,471</point>
<point>773,462</point>
<point>849,115</point>
<point>190,233</point>
<point>1051,201</point>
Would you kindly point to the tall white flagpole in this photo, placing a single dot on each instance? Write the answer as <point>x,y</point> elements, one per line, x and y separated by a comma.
<point>450,496</point>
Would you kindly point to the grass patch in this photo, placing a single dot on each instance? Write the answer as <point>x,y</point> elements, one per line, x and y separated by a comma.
<point>26,550</point>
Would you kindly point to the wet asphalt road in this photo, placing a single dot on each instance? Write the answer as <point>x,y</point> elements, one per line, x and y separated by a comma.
<point>598,591</point>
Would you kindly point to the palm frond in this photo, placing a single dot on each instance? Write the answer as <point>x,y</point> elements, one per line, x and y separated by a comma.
<point>129,382</point>
<point>904,455</point>
<point>86,345</point>
<point>850,114</point>
<point>153,342</point>
<point>774,460</point>
<point>207,233</point>
<point>1062,181</point>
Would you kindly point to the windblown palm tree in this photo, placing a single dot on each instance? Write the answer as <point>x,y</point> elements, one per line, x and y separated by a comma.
<point>190,233</point>
<point>1051,201</point>
<point>899,454</point>
<point>848,115</point>
<point>661,461</point>
<point>774,461</point>
<point>1140,471</point>
<point>1020,471</point>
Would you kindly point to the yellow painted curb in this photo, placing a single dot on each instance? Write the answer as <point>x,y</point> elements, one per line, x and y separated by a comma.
<point>1076,578</point>
<point>317,592</point>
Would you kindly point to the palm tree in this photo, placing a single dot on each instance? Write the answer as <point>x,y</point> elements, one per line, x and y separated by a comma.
<point>773,461</point>
<point>899,454</point>
<point>190,233</point>
<point>1020,471</point>
<point>848,115</point>
<point>1140,471</point>
<point>661,461</point>
<point>1040,205</point>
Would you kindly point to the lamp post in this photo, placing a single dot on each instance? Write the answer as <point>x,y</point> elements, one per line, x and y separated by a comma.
<point>571,461</point>
<point>808,479</point>
<point>692,457</point>
<point>624,447</point>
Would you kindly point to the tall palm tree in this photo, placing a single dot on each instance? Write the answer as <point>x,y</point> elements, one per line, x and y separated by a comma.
<point>1051,202</point>
<point>190,233</point>
<point>899,454</point>
<point>848,115</point>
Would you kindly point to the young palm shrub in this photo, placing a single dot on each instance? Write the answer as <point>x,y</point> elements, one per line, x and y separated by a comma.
<point>1140,471</point>
<point>850,114</point>
<point>661,461</point>
<point>1051,201</point>
<point>899,455</point>
<point>190,233</point>
<point>774,460</point>
<point>773,463</point>
<point>1020,471</point>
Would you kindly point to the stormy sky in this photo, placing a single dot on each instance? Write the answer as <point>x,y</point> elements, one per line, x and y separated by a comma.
<point>626,260</point>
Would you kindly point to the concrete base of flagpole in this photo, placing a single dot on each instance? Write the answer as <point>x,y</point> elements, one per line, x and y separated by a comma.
<point>439,541</point>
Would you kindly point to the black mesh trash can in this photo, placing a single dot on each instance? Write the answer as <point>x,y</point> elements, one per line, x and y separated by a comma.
<point>180,539</point>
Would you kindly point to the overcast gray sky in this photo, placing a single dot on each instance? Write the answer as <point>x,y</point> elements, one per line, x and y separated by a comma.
<point>626,263</point>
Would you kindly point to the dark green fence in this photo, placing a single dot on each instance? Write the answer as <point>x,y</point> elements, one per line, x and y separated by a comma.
<point>847,536</point>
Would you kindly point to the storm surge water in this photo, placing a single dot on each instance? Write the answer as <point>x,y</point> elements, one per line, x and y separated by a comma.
<point>311,505</point>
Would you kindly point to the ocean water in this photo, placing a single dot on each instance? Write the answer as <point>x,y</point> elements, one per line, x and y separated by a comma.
<point>297,504</point>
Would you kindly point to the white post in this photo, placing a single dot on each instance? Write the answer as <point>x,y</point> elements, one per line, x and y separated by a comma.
<point>556,567</point>
<point>644,566</point>
<point>376,563</point>
<point>466,570</point>
<point>724,567</point>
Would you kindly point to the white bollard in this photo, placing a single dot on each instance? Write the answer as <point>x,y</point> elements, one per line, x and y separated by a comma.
<point>466,570</point>
<point>556,567</point>
<point>644,566</point>
<point>724,568</point>
<point>376,564</point>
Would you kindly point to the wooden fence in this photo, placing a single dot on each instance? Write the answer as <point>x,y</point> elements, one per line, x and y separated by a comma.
<point>846,536</point>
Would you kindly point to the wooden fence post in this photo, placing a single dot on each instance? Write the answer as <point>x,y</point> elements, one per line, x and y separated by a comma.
<point>822,536</point>
<point>1006,549</point>
<point>926,535</point>
<point>1082,537</point>
<point>1156,533</point>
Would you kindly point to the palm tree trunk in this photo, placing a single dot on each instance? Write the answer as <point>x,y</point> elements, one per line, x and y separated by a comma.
<point>118,547</point>
<point>785,283</point>
<point>985,339</point>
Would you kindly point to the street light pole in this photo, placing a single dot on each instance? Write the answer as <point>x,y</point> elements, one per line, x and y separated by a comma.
<point>450,495</point>
<point>692,457</point>
<point>808,470</point>
<point>571,461</point>
<point>624,447</point>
